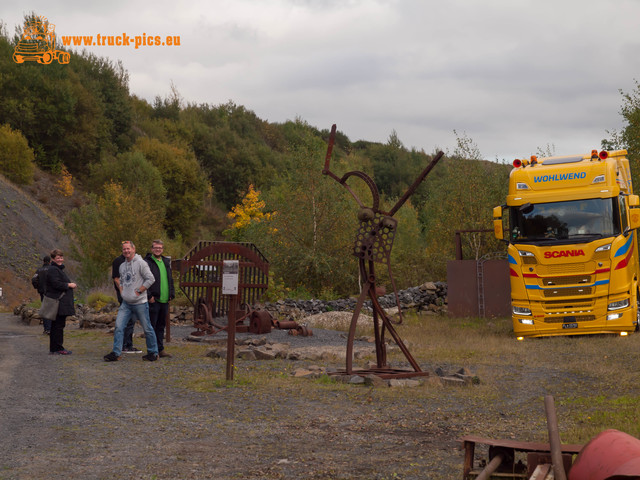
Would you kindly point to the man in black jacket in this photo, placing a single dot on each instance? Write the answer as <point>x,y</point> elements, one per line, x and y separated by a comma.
<point>160,293</point>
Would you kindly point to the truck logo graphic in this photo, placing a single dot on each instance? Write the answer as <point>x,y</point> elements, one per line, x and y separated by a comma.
<point>564,253</point>
<point>38,43</point>
<point>559,176</point>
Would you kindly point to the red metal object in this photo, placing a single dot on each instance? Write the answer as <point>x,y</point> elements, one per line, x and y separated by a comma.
<point>609,455</point>
<point>374,240</point>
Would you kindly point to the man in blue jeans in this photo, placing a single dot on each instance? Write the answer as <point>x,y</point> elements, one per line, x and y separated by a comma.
<point>127,344</point>
<point>135,279</point>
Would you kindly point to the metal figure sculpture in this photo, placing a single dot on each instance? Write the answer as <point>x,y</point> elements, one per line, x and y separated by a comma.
<point>373,243</point>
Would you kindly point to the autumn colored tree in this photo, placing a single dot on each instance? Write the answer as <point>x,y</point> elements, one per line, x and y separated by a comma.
<point>251,209</point>
<point>65,182</point>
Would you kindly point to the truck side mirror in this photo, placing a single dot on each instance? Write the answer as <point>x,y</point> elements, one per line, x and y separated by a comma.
<point>498,229</point>
<point>634,211</point>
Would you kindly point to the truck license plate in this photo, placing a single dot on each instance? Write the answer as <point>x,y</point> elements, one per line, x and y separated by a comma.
<point>569,325</point>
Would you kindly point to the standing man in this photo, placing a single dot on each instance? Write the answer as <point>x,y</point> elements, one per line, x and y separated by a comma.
<point>160,293</point>
<point>39,281</point>
<point>135,278</point>
<point>127,345</point>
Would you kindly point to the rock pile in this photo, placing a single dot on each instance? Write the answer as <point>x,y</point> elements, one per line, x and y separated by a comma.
<point>429,298</point>
<point>87,317</point>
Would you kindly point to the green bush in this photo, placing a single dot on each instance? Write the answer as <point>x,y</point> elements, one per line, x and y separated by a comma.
<point>16,157</point>
<point>97,300</point>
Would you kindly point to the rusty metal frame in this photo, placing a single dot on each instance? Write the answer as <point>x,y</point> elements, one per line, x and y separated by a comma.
<point>374,240</point>
<point>201,281</point>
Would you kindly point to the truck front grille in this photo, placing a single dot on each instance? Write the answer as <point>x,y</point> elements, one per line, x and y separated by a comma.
<point>572,280</point>
<point>568,292</point>
<point>578,318</point>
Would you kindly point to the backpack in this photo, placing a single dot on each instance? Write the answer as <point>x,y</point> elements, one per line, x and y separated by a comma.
<point>35,281</point>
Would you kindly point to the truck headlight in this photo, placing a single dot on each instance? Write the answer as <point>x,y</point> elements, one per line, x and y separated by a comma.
<point>526,321</point>
<point>618,305</point>
<point>521,311</point>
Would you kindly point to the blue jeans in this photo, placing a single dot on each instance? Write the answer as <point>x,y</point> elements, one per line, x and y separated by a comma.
<point>141,311</point>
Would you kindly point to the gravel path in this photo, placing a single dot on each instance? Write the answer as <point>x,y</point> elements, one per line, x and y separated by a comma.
<point>79,417</point>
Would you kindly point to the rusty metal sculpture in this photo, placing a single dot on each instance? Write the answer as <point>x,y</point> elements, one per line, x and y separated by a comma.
<point>373,243</point>
<point>201,281</point>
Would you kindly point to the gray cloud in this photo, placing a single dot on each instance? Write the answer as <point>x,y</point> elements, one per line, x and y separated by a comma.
<point>513,75</point>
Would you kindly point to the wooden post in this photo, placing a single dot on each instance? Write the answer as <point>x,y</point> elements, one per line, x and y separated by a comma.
<point>231,336</point>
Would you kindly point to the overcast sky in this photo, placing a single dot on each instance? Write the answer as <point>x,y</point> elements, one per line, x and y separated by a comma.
<point>512,75</point>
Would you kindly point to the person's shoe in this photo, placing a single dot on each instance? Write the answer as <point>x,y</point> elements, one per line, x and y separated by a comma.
<point>46,332</point>
<point>111,357</point>
<point>131,350</point>
<point>61,352</point>
<point>164,354</point>
<point>150,357</point>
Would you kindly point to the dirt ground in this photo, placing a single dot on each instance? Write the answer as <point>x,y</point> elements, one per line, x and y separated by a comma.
<point>79,417</point>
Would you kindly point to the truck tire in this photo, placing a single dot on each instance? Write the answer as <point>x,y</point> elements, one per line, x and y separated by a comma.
<point>46,58</point>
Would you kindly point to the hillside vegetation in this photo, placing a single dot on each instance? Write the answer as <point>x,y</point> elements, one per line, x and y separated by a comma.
<point>185,172</point>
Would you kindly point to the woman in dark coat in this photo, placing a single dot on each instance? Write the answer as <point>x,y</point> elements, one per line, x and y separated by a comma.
<point>58,283</point>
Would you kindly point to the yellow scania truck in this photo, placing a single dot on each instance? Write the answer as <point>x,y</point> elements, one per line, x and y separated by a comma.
<point>570,224</point>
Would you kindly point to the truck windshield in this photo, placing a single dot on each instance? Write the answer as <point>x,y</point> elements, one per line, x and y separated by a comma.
<point>575,220</point>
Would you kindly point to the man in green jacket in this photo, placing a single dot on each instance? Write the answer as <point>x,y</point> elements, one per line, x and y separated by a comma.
<point>160,293</point>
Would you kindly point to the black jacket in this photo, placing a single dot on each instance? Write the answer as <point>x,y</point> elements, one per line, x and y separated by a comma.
<point>154,290</point>
<point>57,283</point>
<point>42,278</point>
<point>115,273</point>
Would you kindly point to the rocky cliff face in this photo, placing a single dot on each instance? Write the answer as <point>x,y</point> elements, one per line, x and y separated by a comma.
<point>29,229</point>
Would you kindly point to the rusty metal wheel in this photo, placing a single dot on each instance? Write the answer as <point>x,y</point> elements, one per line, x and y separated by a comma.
<point>260,322</point>
<point>202,317</point>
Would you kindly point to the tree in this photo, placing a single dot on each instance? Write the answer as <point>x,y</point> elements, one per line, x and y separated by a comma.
<point>461,196</point>
<point>250,210</point>
<point>134,173</point>
<point>629,138</point>
<point>16,157</point>
<point>118,214</point>
<point>184,180</point>
<point>309,236</point>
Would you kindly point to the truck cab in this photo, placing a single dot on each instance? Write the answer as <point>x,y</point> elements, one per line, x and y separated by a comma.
<point>570,224</point>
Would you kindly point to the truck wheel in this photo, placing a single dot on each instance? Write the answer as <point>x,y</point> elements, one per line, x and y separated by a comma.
<point>45,58</point>
<point>18,58</point>
<point>63,58</point>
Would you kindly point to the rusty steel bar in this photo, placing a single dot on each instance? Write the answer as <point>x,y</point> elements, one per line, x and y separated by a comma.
<point>554,439</point>
<point>491,467</point>
<point>416,184</point>
<point>231,337</point>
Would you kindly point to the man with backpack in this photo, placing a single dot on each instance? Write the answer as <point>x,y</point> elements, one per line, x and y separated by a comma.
<point>39,282</point>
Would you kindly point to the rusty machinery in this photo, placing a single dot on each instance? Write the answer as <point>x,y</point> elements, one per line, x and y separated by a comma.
<point>201,281</point>
<point>373,243</point>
